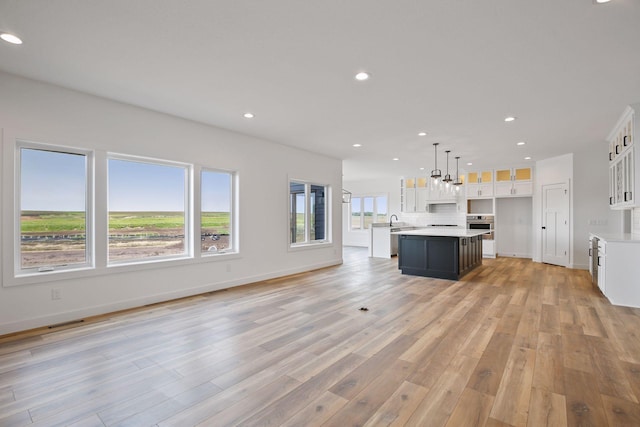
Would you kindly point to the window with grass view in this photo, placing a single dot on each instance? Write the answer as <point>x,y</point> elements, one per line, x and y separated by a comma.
<point>365,210</point>
<point>147,209</point>
<point>54,227</point>
<point>307,212</point>
<point>216,219</point>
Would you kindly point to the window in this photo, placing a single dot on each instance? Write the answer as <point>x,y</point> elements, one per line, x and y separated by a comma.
<point>308,213</point>
<point>365,210</point>
<point>216,215</point>
<point>148,209</point>
<point>54,208</point>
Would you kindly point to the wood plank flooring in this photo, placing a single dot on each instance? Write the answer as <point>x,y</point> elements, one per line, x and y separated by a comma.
<point>514,343</point>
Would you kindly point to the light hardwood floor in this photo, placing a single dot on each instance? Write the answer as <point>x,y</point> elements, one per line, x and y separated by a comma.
<point>515,343</point>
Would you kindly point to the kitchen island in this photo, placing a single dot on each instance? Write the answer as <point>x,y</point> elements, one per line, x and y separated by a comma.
<point>442,253</point>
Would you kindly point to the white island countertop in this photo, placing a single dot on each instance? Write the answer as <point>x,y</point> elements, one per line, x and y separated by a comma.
<point>443,231</point>
<point>617,237</point>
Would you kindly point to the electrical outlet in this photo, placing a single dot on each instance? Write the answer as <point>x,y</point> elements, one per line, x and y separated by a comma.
<point>56,294</point>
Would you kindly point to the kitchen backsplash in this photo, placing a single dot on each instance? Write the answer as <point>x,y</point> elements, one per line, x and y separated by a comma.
<point>424,219</point>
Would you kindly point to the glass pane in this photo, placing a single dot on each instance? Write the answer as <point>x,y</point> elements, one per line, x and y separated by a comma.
<point>503,175</point>
<point>368,211</point>
<point>146,210</point>
<point>297,212</point>
<point>356,213</point>
<point>381,209</point>
<point>318,213</point>
<point>215,212</point>
<point>53,216</point>
<point>523,174</point>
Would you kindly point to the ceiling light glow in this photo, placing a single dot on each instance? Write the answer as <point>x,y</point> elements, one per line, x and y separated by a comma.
<point>469,164</point>
<point>422,134</point>
<point>357,145</point>
<point>527,158</point>
<point>520,143</point>
<point>248,115</point>
<point>10,38</point>
<point>602,1</point>
<point>395,158</point>
<point>509,119</point>
<point>362,76</point>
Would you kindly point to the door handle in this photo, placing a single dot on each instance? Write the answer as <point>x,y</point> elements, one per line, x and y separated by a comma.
<point>544,228</point>
<point>590,251</point>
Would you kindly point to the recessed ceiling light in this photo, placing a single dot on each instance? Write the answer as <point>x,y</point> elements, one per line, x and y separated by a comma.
<point>357,145</point>
<point>248,115</point>
<point>422,134</point>
<point>10,38</point>
<point>421,169</point>
<point>520,143</point>
<point>602,1</point>
<point>527,158</point>
<point>509,119</point>
<point>469,164</point>
<point>362,76</point>
<point>395,158</point>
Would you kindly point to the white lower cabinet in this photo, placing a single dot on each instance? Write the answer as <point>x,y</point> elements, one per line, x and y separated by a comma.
<point>488,248</point>
<point>619,269</point>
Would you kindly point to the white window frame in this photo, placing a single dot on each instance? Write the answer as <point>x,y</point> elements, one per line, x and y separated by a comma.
<point>188,205</point>
<point>89,263</point>
<point>307,219</point>
<point>375,209</point>
<point>233,217</point>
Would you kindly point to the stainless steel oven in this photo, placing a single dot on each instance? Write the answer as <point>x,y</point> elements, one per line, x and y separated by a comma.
<point>481,222</point>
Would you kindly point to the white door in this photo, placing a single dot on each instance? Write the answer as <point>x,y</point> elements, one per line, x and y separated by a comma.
<point>555,224</point>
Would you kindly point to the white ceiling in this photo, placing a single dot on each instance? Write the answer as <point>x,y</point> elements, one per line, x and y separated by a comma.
<point>453,68</point>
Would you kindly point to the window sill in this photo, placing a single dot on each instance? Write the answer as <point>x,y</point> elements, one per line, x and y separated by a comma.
<point>306,246</point>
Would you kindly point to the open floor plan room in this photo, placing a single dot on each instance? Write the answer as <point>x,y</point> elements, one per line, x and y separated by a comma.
<point>514,343</point>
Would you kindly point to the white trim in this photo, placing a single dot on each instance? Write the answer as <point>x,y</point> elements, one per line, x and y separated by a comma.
<point>187,203</point>
<point>17,270</point>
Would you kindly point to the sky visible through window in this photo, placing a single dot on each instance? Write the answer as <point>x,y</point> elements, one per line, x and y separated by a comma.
<point>216,191</point>
<point>145,187</point>
<point>52,181</point>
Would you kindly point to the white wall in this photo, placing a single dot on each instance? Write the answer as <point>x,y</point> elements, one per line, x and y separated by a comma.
<point>39,112</point>
<point>591,200</point>
<point>513,223</point>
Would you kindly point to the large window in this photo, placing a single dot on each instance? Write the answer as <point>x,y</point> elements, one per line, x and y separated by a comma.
<point>308,213</point>
<point>366,210</point>
<point>148,215</point>
<point>54,218</point>
<point>216,214</point>
<point>145,213</point>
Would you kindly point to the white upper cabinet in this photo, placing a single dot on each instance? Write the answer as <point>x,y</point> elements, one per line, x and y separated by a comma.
<point>479,184</point>
<point>514,182</point>
<point>623,156</point>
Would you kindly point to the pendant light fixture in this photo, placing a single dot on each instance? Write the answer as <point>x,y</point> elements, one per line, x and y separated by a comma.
<point>457,180</point>
<point>447,177</point>
<point>436,173</point>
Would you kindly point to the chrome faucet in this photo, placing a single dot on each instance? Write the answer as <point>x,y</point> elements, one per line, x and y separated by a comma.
<point>391,220</point>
